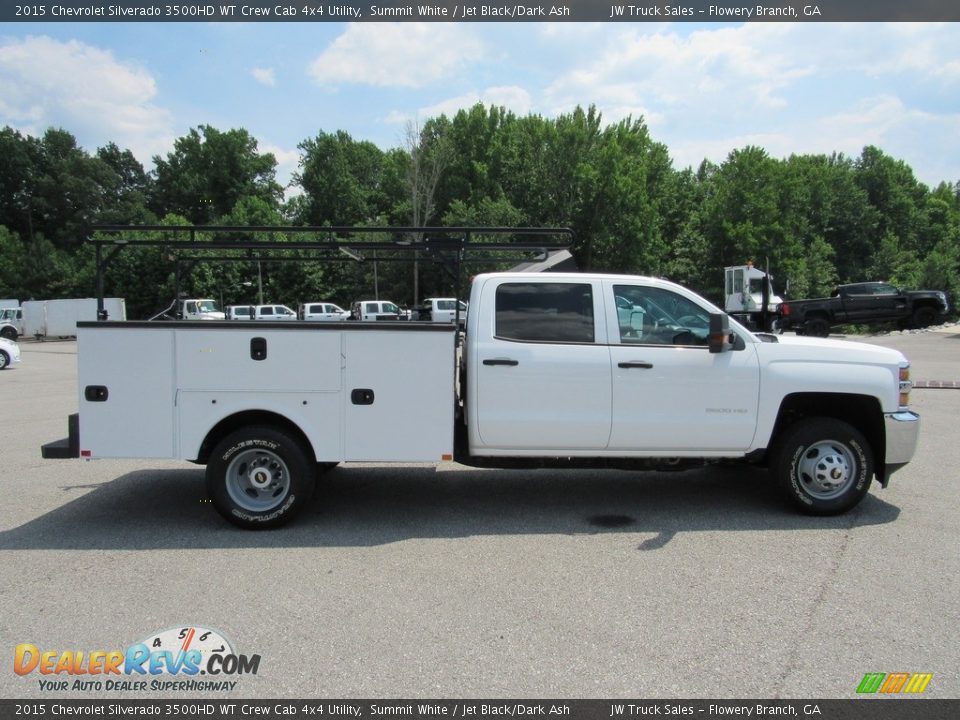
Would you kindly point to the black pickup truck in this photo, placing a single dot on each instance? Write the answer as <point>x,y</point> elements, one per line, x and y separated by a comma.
<point>869,302</point>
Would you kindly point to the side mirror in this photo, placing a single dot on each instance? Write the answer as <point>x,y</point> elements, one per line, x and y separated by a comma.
<point>719,340</point>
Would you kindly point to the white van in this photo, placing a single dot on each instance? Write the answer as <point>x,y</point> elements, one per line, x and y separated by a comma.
<point>322,311</point>
<point>377,310</point>
<point>273,312</point>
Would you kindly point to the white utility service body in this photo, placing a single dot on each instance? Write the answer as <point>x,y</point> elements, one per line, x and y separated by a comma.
<point>552,373</point>
<point>190,377</point>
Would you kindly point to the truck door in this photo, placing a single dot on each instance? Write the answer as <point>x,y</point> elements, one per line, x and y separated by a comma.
<point>670,394</point>
<point>541,367</point>
<point>873,301</point>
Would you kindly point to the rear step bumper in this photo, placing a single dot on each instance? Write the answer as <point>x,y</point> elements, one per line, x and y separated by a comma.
<point>67,448</point>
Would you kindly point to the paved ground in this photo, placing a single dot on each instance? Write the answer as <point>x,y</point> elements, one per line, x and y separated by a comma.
<point>414,581</point>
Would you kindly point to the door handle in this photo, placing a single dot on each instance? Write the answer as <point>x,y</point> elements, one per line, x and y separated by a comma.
<point>636,364</point>
<point>501,361</point>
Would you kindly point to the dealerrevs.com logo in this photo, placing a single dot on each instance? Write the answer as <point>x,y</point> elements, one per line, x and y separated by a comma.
<point>189,659</point>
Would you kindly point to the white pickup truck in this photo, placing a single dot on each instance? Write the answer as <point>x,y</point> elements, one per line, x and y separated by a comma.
<point>552,374</point>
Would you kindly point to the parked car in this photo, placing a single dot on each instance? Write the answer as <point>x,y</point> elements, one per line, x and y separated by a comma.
<point>239,312</point>
<point>273,312</point>
<point>323,311</point>
<point>9,353</point>
<point>868,302</point>
<point>377,310</point>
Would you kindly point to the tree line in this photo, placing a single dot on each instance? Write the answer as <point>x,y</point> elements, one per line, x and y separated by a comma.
<point>816,219</point>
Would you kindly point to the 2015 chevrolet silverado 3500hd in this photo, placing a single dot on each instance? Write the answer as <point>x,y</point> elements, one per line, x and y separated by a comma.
<point>555,370</point>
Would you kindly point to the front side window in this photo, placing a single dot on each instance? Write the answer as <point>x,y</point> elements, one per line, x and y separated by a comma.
<point>545,312</point>
<point>657,316</point>
<point>207,306</point>
<point>389,307</point>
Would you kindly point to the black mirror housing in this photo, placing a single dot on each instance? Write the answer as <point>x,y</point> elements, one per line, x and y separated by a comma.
<point>719,340</point>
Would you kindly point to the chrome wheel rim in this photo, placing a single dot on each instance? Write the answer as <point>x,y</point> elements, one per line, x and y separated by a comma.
<point>258,480</point>
<point>827,469</point>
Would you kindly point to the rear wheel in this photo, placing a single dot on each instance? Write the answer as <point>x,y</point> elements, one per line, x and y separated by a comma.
<point>260,477</point>
<point>818,327</point>
<point>824,466</point>
<point>4,360</point>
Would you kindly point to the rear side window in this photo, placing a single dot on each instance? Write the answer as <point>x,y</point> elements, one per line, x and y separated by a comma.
<point>267,311</point>
<point>545,312</point>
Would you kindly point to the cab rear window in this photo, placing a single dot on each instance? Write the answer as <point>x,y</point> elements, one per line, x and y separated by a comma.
<point>545,312</point>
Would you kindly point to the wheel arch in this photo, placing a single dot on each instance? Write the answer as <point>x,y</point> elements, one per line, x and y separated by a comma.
<point>863,412</point>
<point>249,418</point>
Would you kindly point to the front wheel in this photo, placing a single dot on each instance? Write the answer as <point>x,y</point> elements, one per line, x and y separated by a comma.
<point>8,332</point>
<point>924,317</point>
<point>4,360</point>
<point>259,477</point>
<point>824,466</point>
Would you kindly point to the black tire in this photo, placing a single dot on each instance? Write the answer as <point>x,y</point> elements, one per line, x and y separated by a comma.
<point>4,360</point>
<point>924,316</point>
<point>260,477</point>
<point>817,327</point>
<point>9,332</point>
<point>823,465</point>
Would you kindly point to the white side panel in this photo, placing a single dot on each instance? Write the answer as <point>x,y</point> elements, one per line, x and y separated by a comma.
<point>317,414</point>
<point>136,367</point>
<point>296,361</point>
<point>59,318</point>
<point>411,375</point>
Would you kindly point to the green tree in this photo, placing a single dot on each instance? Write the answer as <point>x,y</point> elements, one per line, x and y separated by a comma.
<point>341,181</point>
<point>209,171</point>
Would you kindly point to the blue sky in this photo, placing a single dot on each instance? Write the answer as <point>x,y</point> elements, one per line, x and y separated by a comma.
<point>703,89</point>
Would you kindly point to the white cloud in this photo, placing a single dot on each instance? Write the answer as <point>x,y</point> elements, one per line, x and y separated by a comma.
<point>264,76</point>
<point>736,69</point>
<point>287,163</point>
<point>789,88</point>
<point>44,82</point>
<point>511,97</point>
<point>409,55</point>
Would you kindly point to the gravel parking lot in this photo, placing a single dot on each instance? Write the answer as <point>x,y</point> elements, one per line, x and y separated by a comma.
<point>418,581</point>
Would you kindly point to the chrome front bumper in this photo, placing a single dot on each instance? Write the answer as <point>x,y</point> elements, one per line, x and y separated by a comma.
<point>903,431</point>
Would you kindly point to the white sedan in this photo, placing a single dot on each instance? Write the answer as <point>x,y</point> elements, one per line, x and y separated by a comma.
<point>9,353</point>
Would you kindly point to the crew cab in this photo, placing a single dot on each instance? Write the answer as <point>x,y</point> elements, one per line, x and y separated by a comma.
<point>273,312</point>
<point>868,302</point>
<point>556,370</point>
<point>441,310</point>
<point>324,311</point>
<point>239,312</point>
<point>366,310</point>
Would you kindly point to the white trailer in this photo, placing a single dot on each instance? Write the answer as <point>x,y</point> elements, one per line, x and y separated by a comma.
<point>59,318</point>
